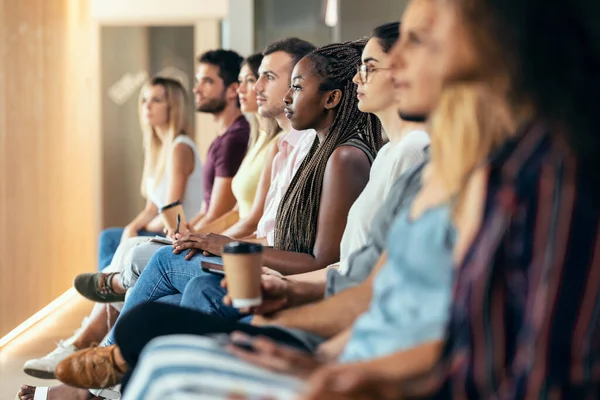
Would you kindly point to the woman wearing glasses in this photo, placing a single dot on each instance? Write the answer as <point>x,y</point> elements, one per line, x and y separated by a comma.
<point>407,140</point>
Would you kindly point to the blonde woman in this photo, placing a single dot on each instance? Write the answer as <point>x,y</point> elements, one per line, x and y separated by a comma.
<point>172,169</point>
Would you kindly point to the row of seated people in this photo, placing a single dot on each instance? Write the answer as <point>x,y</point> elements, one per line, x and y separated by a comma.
<point>406,270</point>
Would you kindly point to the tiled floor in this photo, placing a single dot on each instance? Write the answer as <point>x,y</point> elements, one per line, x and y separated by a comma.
<point>37,341</point>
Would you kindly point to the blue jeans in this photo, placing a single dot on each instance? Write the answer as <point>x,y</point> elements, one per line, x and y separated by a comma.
<point>165,277</point>
<point>109,241</point>
<point>204,293</point>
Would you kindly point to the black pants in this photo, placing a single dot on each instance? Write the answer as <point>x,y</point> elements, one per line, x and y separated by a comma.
<point>148,321</point>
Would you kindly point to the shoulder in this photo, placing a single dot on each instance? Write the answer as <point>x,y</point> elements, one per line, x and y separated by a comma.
<point>240,126</point>
<point>411,150</point>
<point>414,141</point>
<point>348,157</point>
<point>182,156</point>
<point>234,140</point>
<point>182,149</point>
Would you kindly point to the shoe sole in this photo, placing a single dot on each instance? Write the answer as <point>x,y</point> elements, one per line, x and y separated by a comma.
<point>36,373</point>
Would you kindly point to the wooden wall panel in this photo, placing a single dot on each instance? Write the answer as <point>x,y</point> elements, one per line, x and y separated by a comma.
<point>49,152</point>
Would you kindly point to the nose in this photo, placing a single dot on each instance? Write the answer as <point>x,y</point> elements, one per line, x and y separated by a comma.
<point>356,79</point>
<point>396,55</point>
<point>287,99</point>
<point>242,88</point>
<point>196,88</point>
<point>259,84</point>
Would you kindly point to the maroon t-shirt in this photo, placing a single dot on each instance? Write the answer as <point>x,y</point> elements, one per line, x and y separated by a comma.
<point>226,154</point>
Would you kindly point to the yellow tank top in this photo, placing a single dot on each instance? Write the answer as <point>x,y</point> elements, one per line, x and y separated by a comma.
<point>245,182</point>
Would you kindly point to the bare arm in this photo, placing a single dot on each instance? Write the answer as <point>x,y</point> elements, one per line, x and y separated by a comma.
<point>346,175</point>
<point>221,201</point>
<point>247,226</point>
<point>143,219</point>
<point>331,316</point>
<point>381,377</point>
<point>333,348</point>
<point>196,218</point>
<point>180,167</point>
<point>222,223</point>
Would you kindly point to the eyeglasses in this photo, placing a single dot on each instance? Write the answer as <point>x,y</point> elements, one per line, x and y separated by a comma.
<point>365,72</point>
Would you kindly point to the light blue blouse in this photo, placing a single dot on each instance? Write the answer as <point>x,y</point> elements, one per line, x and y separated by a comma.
<point>411,293</point>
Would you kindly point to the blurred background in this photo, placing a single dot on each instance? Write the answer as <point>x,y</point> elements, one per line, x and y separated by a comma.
<point>70,142</point>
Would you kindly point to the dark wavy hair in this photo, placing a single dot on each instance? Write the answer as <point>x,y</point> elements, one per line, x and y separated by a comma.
<point>387,35</point>
<point>228,61</point>
<point>253,62</point>
<point>551,51</point>
<point>296,48</point>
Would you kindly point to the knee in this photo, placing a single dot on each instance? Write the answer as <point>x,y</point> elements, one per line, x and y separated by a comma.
<point>203,293</point>
<point>137,319</point>
<point>163,259</point>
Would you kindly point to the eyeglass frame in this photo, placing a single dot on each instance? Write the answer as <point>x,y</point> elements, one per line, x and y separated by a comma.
<point>363,72</point>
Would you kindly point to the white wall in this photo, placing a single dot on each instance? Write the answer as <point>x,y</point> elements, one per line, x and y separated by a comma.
<point>148,12</point>
<point>237,30</point>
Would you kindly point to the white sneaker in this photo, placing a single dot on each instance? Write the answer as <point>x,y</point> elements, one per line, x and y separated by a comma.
<point>43,368</point>
<point>112,393</point>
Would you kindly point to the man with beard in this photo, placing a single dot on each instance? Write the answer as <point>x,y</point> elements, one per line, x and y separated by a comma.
<point>215,92</point>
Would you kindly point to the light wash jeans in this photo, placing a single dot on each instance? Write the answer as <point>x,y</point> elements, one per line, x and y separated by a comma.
<point>165,279</point>
<point>109,242</point>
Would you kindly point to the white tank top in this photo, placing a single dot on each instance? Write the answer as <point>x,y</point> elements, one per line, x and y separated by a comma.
<point>193,197</point>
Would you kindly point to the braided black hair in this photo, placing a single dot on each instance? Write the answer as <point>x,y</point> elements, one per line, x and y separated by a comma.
<point>297,216</point>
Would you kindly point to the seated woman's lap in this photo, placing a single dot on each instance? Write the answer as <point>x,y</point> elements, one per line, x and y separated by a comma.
<point>148,321</point>
<point>110,239</point>
<point>205,367</point>
<point>164,278</point>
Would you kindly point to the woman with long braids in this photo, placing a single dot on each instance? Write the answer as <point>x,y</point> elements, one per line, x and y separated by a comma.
<point>323,97</point>
<point>311,217</point>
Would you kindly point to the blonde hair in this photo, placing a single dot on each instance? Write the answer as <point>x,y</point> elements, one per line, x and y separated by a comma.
<point>156,151</point>
<point>268,126</point>
<point>469,123</point>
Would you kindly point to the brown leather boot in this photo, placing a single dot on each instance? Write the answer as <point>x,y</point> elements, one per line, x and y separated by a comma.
<point>93,368</point>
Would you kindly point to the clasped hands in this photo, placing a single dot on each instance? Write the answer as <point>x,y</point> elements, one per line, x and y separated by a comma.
<point>209,244</point>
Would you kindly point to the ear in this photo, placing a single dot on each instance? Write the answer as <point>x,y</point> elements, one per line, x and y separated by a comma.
<point>231,92</point>
<point>333,99</point>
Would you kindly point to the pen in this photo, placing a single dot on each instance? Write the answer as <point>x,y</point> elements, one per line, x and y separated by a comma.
<point>178,222</point>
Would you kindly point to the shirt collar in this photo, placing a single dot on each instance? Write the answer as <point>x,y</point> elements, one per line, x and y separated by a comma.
<point>293,137</point>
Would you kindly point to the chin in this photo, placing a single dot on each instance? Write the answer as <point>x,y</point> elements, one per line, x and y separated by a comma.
<point>364,109</point>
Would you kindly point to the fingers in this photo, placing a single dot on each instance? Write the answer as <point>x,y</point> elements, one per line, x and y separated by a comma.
<point>327,395</point>
<point>321,380</point>
<point>264,360</point>
<point>178,245</point>
<point>269,306</point>
<point>349,381</point>
<point>191,254</point>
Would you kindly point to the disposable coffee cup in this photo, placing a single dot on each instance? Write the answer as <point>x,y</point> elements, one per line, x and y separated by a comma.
<point>169,215</point>
<point>242,263</point>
